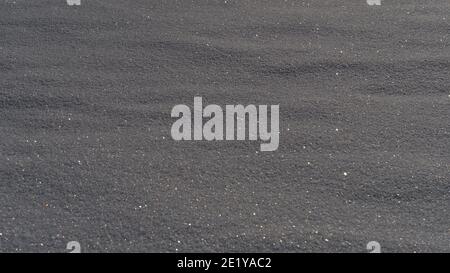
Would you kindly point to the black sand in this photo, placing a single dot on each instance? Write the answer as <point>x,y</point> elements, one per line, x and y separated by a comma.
<point>85,147</point>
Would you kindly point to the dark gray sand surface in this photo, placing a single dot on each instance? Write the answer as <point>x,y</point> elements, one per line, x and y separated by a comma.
<point>86,152</point>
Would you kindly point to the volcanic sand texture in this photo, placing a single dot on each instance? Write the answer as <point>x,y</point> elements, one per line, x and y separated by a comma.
<point>85,146</point>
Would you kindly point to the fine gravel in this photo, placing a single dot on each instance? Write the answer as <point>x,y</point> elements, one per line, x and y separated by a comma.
<point>86,152</point>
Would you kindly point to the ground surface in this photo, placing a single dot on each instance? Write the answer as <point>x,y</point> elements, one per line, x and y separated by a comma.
<point>85,147</point>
